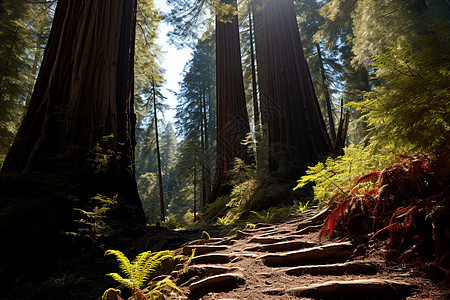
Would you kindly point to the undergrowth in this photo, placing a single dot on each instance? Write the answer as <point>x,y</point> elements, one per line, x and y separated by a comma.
<point>409,201</point>
<point>145,266</point>
<point>336,175</point>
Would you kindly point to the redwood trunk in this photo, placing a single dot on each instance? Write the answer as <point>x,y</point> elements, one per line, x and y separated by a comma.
<point>232,117</point>
<point>289,107</point>
<point>77,137</point>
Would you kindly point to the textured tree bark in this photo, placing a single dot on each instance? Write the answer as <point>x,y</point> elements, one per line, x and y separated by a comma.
<point>232,117</point>
<point>79,127</point>
<point>84,92</point>
<point>289,107</point>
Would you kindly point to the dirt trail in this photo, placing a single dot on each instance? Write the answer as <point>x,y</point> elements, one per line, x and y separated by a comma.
<point>286,260</point>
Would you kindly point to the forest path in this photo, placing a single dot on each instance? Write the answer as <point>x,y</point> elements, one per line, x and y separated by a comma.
<point>286,260</point>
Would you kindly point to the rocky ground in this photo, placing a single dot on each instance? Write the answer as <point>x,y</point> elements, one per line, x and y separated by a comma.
<point>287,260</point>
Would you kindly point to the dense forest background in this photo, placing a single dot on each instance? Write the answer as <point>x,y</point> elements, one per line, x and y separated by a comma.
<point>304,94</point>
<point>353,48</point>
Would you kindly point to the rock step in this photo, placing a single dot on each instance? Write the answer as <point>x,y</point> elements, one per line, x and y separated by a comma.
<point>314,220</point>
<point>252,231</point>
<point>207,270</point>
<point>241,234</point>
<point>282,246</point>
<point>354,268</point>
<point>274,232</point>
<point>327,253</point>
<point>355,289</point>
<point>266,240</point>
<point>212,259</point>
<point>309,229</point>
<point>302,216</point>
<point>205,241</point>
<point>216,283</point>
<point>202,249</point>
<point>196,272</point>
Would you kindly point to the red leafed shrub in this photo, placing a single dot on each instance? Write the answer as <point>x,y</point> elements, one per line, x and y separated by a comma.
<point>408,200</point>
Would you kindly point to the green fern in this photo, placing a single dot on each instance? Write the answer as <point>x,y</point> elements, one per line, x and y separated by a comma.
<point>205,236</point>
<point>140,269</point>
<point>163,287</point>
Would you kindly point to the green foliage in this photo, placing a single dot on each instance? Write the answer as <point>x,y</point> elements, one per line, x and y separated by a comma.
<point>244,185</point>
<point>91,219</point>
<point>205,235</point>
<point>216,208</point>
<point>141,268</point>
<point>101,155</point>
<point>411,107</point>
<point>24,28</point>
<point>336,175</point>
<point>163,287</point>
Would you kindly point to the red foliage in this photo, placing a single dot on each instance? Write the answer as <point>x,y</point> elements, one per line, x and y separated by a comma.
<point>139,295</point>
<point>409,200</point>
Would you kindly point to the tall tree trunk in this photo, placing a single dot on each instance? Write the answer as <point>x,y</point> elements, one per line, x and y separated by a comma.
<point>203,142</point>
<point>259,34</point>
<point>253,66</point>
<point>158,155</point>
<point>195,190</point>
<point>232,117</point>
<point>327,95</point>
<point>77,137</point>
<point>289,107</point>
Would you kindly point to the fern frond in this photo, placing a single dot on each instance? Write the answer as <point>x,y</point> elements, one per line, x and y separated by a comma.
<point>125,281</point>
<point>124,263</point>
<point>163,287</point>
<point>188,262</point>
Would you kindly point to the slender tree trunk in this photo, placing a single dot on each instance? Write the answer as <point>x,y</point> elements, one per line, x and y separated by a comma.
<point>327,95</point>
<point>259,34</point>
<point>195,191</point>
<point>232,117</point>
<point>254,83</point>
<point>158,154</point>
<point>289,107</point>
<point>77,137</point>
<point>203,145</point>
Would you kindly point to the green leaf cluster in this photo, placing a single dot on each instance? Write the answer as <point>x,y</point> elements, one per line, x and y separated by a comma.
<point>141,268</point>
<point>337,175</point>
<point>24,28</point>
<point>410,109</point>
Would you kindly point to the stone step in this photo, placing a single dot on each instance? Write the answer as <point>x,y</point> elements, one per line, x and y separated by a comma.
<point>266,240</point>
<point>314,220</point>
<point>274,232</point>
<point>282,246</point>
<point>202,249</point>
<point>205,241</point>
<point>207,270</point>
<point>261,229</point>
<point>353,268</point>
<point>309,229</point>
<point>355,289</point>
<point>216,283</point>
<point>337,252</point>
<point>212,259</point>
<point>242,235</point>
<point>200,271</point>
